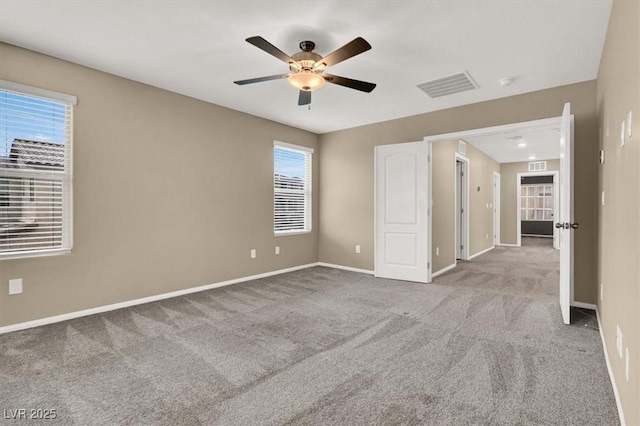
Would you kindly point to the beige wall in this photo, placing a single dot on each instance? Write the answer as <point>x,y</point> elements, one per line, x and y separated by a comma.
<point>346,162</point>
<point>443,184</point>
<point>618,91</point>
<point>509,198</point>
<point>481,169</point>
<point>169,193</point>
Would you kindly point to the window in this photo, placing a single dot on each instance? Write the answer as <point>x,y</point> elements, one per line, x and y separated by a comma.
<point>35,171</point>
<point>536,202</point>
<point>291,188</point>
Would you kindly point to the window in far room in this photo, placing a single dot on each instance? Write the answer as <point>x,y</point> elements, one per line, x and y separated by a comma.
<point>536,202</point>
<point>291,188</point>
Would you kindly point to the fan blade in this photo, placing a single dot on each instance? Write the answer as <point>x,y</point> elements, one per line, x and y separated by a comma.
<point>363,86</point>
<point>263,44</point>
<point>259,79</point>
<point>304,98</point>
<point>349,50</point>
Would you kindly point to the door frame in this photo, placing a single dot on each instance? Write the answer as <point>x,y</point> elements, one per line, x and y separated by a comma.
<point>496,209</point>
<point>556,209</point>
<point>464,226</point>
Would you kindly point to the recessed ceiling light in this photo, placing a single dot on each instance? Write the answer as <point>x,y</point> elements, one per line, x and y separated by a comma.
<point>532,157</point>
<point>522,144</point>
<point>506,81</point>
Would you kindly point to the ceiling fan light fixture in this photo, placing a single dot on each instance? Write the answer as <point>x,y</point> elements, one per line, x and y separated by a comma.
<point>307,81</point>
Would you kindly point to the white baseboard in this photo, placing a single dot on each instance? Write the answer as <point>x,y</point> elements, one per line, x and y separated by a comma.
<point>481,253</point>
<point>613,379</point>
<point>134,302</point>
<point>508,245</point>
<point>443,270</point>
<point>584,305</point>
<point>345,268</point>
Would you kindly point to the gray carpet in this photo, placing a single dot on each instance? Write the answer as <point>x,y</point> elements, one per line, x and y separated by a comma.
<point>483,344</point>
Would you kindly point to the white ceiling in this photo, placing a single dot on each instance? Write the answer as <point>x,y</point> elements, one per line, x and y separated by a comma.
<point>197,48</point>
<point>542,143</point>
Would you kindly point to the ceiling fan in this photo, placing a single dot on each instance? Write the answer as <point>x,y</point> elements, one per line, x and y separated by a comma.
<point>307,68</point>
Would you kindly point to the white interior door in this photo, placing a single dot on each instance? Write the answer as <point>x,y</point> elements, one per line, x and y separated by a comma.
<point>565,223</point>
<point>401,211</point>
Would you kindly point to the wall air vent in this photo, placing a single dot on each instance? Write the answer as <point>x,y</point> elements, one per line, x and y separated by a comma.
<point>462,147</point>
<point>537,166</point>
<point>455,83</point>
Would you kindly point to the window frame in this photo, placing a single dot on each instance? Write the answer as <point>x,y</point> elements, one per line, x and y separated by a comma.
<point>530,195</point>
<point>65,177</point>
<point>307,191</point>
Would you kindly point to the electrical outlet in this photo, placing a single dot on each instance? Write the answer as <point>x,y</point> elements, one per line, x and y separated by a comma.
<point>357,248</point>
<point>619,340</point>
<point>626,363</point>
<point>253,253</point>
<point>437,251</point>
<point>602,198</point>
<point>486,236</point>
<point>277,250</point>
<point>15,286</point>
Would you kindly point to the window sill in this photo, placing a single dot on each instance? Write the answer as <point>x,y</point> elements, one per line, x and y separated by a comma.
<point>42,253</point>
<point>284,233</point>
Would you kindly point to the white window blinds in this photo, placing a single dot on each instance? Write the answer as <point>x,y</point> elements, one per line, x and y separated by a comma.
<point>35,171</point>
<point>291,188</point>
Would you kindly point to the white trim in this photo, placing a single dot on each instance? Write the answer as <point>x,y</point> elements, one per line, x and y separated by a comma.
<point>29,254</point>
<point>346,268</point>
<point>143,300</point>
<point>584,305</point>
<point>38,92</point>
<point>508,245</point>
<point>481,253</point>
<point>443,270</point>
<point>430,214</point>
<point>293,147</point>
<point>496,208</point>
<point>543,123</point>
<point>466,169</point>
<point>611,377</point>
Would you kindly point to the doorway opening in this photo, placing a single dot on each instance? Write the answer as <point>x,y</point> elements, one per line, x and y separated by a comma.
<point>538,206</point>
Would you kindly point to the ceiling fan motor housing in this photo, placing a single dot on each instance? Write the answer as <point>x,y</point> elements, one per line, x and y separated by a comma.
<point>305,61</point>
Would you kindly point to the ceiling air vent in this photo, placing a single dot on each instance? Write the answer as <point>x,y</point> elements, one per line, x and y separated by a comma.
<point>455,83</point>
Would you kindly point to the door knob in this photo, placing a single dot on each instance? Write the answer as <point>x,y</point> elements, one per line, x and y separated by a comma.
<point>574,226</point>
<point>559,225</point>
